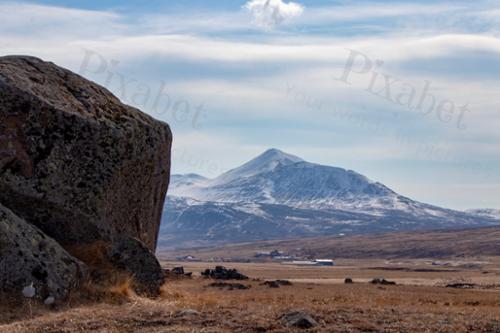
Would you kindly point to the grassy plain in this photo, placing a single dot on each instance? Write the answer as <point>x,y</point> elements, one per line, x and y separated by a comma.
<point>420,302</point>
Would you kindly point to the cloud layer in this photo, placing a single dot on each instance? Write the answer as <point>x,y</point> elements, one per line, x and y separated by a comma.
<point>270,13</point>
<point>273,84</point>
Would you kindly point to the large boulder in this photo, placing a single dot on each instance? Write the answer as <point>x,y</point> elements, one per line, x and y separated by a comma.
<point>76,162</point>
<point>130,255</point>
<point>30,258</point>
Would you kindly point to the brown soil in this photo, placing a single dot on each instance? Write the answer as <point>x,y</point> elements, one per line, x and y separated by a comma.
<point>360,307</point>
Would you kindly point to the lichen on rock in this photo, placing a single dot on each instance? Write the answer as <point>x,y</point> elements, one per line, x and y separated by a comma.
<point>74,160</point>
<point>77,167</point>
<point>29,257</point>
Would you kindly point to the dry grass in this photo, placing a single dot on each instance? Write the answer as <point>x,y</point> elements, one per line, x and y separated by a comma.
<point>337,307</point>
<point>105,283</point>
<point>409,271</point>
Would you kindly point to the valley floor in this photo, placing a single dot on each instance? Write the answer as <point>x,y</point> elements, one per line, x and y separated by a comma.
<point>420,302</point>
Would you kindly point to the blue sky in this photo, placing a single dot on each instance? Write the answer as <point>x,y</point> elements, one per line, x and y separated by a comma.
<point>406,93</point>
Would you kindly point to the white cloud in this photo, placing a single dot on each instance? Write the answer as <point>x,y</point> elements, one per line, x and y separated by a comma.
<point>364,10</point>
<point>22,19</point>
<point>236,101</point>
<point>270,13</point>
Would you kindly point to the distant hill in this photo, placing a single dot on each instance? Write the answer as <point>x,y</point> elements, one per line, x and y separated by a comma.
<point>280,196</point>
<point>475,242</point>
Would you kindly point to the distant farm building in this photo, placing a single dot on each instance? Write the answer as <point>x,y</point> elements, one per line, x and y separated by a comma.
<point>302,263</point>
<point>269,254</point>
<point>186,258</point>
<point>324,262</point>
<point>316,262</point>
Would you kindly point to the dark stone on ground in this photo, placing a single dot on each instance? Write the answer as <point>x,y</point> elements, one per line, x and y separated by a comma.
<point>187,313</point>
<point>131,255</point>
<point>299,319</point>
<point>177,273</point>
<point>382,281</point>
<point>222,273</point>
<point>28,256</point>
<point>178,270</point>
<point>348,281</point>
<point>276,283</point>
<point>461,285</point>
<point>284,282</point>
<point>228,286</point>
<point>272,284</point>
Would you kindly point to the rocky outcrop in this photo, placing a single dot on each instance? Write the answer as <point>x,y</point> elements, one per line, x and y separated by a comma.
<point>74,160</point>
<point>276,283</point>
<point>382,281</point>
<point>130,255</point>
<point>29,257</point>
<point>77,167</point>
<point>222,273</point>
<point>299,319</point>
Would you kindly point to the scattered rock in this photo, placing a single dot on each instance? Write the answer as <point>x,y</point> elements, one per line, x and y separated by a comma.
<point>133,256</point>
<point>228,286</point>
<point>178,270</point>
<point>382,281</point>
<point>29,291</point>
<point>461,285</point>
<point>272,284</point>
<point>348,281</point>
<point>32,264</point>
<point>177,273</point>
<point>277,283</point>
<point>76,162</point>
<point>284,282</point>
<point>222,273</point>
<point>299,319</point>
<point>187,313</point>
<point>49,300</point>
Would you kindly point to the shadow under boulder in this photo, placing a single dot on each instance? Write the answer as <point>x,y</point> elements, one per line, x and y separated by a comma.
<point>132,256</point>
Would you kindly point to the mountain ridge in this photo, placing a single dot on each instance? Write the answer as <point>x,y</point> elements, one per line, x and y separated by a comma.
<point>279,195</point>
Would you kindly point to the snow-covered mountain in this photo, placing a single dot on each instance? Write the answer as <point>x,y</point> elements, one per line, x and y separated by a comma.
<point>485,212</point>
<point>279,178</point>
<point>278,195</point>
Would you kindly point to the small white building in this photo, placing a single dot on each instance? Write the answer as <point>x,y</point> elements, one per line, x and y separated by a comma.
<point>316,262</point>
<point>324,262</point>
<point>300,263</point>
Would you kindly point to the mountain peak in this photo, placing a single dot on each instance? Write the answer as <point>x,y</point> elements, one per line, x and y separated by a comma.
<point>274,154</point>
<point>267,161</point>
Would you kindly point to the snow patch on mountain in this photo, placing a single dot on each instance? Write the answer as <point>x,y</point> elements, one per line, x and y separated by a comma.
<point>485,212</point>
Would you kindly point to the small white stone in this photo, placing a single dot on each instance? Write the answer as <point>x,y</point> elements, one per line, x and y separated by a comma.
<point>49,300</point>
<point>29,291</point>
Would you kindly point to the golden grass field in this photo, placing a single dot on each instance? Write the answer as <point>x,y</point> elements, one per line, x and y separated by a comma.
<point>418,303</point>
